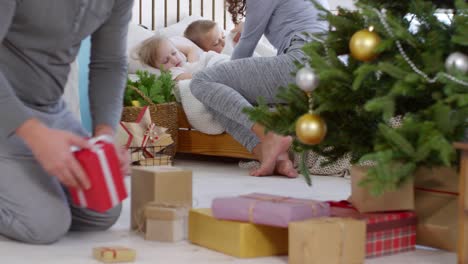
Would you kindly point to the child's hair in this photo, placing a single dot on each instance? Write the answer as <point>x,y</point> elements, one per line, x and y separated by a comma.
<point>148,51</point>
<point>197,29</point>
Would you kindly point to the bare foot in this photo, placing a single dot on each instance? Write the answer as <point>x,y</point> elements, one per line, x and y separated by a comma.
<point>285,167</point>
<point>272,147</point>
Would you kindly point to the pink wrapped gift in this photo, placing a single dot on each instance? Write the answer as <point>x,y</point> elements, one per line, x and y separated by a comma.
<point>268,209</point>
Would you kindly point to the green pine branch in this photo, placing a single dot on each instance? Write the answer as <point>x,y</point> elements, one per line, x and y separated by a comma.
<point>360,100</point>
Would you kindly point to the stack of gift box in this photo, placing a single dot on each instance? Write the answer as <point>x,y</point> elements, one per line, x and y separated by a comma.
<point>364,226</point>
<point>259,225</point>
<point>160,202</point>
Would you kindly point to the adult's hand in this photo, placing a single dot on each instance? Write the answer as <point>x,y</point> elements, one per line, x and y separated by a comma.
<point>52,149</point>
<point>238,32</point>
<point>122,153</point>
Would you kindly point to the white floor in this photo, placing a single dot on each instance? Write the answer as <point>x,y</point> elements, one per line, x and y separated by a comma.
<point>211,179</point>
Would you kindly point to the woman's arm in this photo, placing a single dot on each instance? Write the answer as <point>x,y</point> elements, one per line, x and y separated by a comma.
<point>256,21</point>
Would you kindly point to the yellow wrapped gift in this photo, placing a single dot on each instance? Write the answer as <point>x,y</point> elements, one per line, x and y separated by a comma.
<point>238,239</point>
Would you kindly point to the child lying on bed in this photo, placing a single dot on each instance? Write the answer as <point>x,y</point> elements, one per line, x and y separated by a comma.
<point>161,53</point>
<point>207,35</point>
<point>181,58</point>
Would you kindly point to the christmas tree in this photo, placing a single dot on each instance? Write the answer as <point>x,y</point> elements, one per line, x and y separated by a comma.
<point>390,82</point>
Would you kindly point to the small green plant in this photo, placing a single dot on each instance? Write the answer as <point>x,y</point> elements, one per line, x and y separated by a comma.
<point>159,89</point>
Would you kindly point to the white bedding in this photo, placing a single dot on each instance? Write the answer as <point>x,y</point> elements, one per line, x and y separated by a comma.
<point>197,114</point>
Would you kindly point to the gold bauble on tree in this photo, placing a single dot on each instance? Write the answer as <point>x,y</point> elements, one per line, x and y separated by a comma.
<point>310,129</point>
<point>363,44</point>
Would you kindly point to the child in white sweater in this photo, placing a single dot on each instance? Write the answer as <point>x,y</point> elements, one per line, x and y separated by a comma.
<point>161,53</point>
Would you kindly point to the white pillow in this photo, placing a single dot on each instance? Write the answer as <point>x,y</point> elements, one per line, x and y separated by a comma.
<point>178,28</point>
<point>136,35</point>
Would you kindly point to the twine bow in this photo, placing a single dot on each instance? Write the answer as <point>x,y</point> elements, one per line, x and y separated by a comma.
<point>151,134</point>
<point>260,198</point>
<point>140,216</point>
<point>108,249</point>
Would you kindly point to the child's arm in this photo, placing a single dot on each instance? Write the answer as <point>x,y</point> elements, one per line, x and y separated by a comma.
<point>184,76</point>
<point>190,51</point>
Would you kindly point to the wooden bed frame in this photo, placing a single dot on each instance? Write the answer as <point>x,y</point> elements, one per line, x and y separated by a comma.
<point>194,142</point>
<point>190,140</point>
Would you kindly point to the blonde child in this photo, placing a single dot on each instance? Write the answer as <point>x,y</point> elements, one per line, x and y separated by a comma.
<point>207,35</point>
<point>161,53</point>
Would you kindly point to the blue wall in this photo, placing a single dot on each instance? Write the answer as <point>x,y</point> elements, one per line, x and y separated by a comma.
<point>83,61</point>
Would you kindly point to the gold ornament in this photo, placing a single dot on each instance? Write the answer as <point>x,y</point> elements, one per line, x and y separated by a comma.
<point>363,44</point>
<point>311,129</point>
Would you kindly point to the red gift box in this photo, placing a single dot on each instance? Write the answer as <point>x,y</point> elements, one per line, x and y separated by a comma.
<point>387,233</point>
<point>102,166</point>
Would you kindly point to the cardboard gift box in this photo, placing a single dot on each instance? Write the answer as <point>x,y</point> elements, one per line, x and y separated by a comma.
<point>166,223</point>
<point>386,233</point>
<point>365,202</point>
<point>160,185</point>
<point>436,200</point>
<point>102,166</point>
<point>327,240</point>
<point>268,209</point>
<point>238,239</point>
<point>114,254</point>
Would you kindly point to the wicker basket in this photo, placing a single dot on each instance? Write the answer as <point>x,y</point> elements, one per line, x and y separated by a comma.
<point>163,115</point>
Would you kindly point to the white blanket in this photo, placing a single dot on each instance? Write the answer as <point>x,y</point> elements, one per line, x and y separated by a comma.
<point>198,116</point>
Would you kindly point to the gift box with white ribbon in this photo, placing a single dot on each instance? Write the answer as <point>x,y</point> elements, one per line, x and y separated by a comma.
<point>102,166</point>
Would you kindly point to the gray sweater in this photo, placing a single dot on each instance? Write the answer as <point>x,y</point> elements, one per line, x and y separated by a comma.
<point>279,20</point>
<point>38,41</point>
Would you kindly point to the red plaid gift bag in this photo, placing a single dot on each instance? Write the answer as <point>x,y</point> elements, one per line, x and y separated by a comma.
<point>387,233</point>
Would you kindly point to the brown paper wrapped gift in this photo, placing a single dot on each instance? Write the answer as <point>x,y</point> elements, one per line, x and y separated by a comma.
<point>114,254</point>
<point>166,223</point>
<point>365,202</point>
<point>436,198</point>
<point>159,184</point>
<point>327,240</point>
<point>238,239</point>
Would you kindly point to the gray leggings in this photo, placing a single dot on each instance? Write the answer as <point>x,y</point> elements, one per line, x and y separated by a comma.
<point>228,88</point>
<point>34,206</point>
